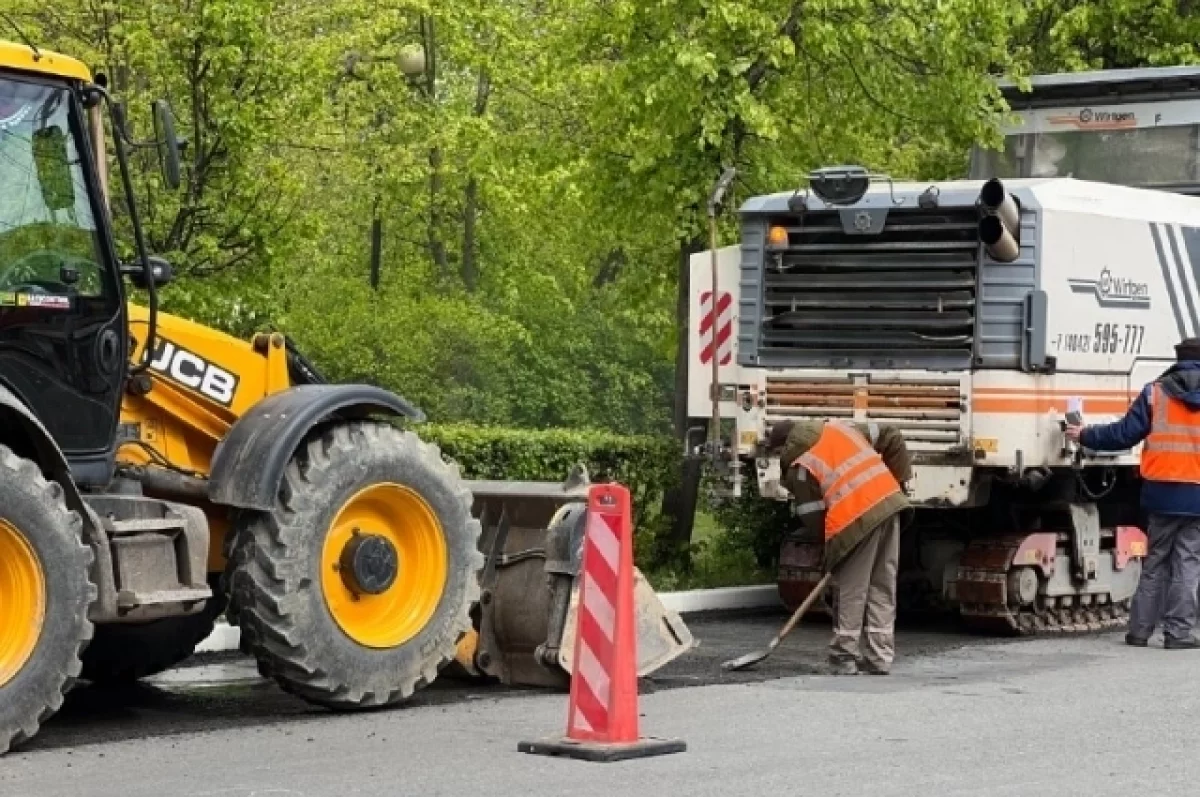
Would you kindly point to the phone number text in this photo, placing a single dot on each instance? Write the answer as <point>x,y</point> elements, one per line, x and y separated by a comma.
<point>1104,339</point>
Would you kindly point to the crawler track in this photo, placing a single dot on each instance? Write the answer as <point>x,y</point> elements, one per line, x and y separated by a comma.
<point>983,592</point>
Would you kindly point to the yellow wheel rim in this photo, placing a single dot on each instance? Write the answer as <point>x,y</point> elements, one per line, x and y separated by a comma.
<point>22,601</point>
<point>406,522</point>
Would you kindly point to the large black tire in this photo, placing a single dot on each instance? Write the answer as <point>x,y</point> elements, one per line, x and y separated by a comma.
<point>36,510</point>
<point>122,653</point>
<point>275,569</point>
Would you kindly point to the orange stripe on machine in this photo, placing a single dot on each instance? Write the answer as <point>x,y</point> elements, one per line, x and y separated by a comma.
<point>1018,401</point>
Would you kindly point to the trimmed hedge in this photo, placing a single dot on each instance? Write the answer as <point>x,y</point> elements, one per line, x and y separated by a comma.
<point>647,465</point>
<point>744,550</point>
<point>754,524</point>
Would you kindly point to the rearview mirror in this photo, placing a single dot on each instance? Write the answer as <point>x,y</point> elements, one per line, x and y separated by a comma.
<point>162,270</point>
<point>168,143</point>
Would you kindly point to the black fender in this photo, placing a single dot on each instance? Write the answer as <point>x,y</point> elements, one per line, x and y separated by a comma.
<point>27,437</point>
<point>248,465</point>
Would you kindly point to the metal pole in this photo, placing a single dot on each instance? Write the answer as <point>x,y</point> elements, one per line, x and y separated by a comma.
<point>714,209</point>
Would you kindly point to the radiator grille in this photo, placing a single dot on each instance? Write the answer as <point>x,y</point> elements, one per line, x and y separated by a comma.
<point>927,412</point>
<point>907,294</point>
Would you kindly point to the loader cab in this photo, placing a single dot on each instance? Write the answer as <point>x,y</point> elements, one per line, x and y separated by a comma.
<point>64,345</point>
<point>1133,127</point>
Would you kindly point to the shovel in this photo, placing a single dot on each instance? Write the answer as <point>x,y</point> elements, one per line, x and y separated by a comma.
<point>742,662</point>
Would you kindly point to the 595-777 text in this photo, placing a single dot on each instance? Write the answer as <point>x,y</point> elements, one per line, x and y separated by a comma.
<point>1104,339</point>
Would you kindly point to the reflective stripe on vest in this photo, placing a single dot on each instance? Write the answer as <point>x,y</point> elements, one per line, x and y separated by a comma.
<point>1171,452</point>
<point>809,507</point>
<point>852,475</point>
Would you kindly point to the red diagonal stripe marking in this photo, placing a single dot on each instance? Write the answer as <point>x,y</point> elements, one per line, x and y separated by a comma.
<point>723,334</point>
<point>601,576</point>
<point>591,633</point>
<point>591,706</point>
<point>722,306</point>
<point>726,352</point>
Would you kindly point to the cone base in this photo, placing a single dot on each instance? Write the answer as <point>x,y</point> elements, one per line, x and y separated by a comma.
<point>603,752</point>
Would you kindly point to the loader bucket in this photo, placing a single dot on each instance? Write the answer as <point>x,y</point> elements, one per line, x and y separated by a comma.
<point>532,541</point>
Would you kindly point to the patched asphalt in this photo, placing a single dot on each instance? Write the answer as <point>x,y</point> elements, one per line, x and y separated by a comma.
<point>960,716</point>
<point>213,691</point>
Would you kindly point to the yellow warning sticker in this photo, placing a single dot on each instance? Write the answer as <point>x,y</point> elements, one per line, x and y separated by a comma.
<point>989,445</point>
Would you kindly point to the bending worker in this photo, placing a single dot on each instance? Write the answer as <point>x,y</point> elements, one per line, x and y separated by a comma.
<point>847,481</point>
<point>1166,415</point>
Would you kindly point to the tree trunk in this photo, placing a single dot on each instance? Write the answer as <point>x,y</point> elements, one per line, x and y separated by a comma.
<point>679,503</point>
<point>469,270</point>
<point>470,267</point>
<point>376,246</point>
<point>437,247</point>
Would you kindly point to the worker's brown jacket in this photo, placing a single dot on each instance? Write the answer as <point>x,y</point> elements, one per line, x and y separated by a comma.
<point>888,441</point>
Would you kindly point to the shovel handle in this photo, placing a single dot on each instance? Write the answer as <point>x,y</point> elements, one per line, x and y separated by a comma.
<point>808,602</point>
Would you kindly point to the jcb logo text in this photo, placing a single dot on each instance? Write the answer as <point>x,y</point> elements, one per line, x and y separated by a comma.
<point>191,370</point>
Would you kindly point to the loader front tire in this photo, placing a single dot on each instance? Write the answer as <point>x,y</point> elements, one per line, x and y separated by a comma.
<point>356,589</point>
<point>45,592</point>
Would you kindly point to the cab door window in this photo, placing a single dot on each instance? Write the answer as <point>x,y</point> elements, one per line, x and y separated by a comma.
<point>49,245</point>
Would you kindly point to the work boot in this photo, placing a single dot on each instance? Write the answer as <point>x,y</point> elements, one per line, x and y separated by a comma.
<point>843,667</point>
<point>1136,641</point>
<point>1177,643</point>
<point>871,668</point>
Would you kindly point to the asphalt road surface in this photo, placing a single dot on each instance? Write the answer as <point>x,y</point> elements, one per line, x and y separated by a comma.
<point>961,715</point>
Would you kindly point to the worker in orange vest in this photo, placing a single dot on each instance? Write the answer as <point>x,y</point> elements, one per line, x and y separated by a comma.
<point>1166,417</point>
<point>848,482</point>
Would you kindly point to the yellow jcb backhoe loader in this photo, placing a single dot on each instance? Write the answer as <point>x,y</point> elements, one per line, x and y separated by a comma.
<point>155,473</point>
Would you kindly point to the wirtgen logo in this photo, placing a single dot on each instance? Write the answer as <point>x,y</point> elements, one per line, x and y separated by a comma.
<point>1113,291</point>
<point>1096,119</point>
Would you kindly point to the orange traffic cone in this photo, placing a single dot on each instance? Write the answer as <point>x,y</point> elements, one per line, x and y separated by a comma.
<point>602,715</point>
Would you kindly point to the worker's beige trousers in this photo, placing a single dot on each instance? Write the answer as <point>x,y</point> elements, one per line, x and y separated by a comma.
<point>865,598</point>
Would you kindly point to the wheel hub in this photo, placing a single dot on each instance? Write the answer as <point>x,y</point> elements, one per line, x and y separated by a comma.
<point>22,601</point>
<point>384,565</point>
<point>369,564</point>
<point>1023,585</point>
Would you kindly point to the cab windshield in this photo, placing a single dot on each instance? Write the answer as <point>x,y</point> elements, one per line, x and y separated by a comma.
<point>1151,157</point>
<point>49,243</point>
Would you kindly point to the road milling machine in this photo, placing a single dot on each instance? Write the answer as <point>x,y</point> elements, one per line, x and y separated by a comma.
<point>975,315</point>
<point>155,473</point>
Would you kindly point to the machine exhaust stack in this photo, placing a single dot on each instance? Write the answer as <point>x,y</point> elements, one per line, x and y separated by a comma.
<point>1000,228</point>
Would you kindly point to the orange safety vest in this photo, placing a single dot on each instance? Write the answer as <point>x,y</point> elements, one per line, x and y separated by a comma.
<point>1172,449</point>
<point>853,477</point>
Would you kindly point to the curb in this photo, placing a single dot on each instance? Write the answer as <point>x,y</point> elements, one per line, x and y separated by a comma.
<point>225,637</point>
<point>723,599</point>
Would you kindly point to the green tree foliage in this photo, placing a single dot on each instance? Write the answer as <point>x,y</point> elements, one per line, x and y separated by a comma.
<point>538,175</point>
<point>1069,35</point>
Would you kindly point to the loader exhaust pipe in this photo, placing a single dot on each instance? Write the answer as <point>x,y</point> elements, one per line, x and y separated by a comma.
<point>1000,228</point>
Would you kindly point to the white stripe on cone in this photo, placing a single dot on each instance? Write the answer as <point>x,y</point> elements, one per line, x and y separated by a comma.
<point>581,722</point>
<point>593,674</point>
<point>606,541</point>
<point>601,609</point>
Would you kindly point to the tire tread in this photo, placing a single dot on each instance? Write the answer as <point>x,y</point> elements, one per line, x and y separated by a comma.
<point>53,686</point>
<point>263,577</point>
